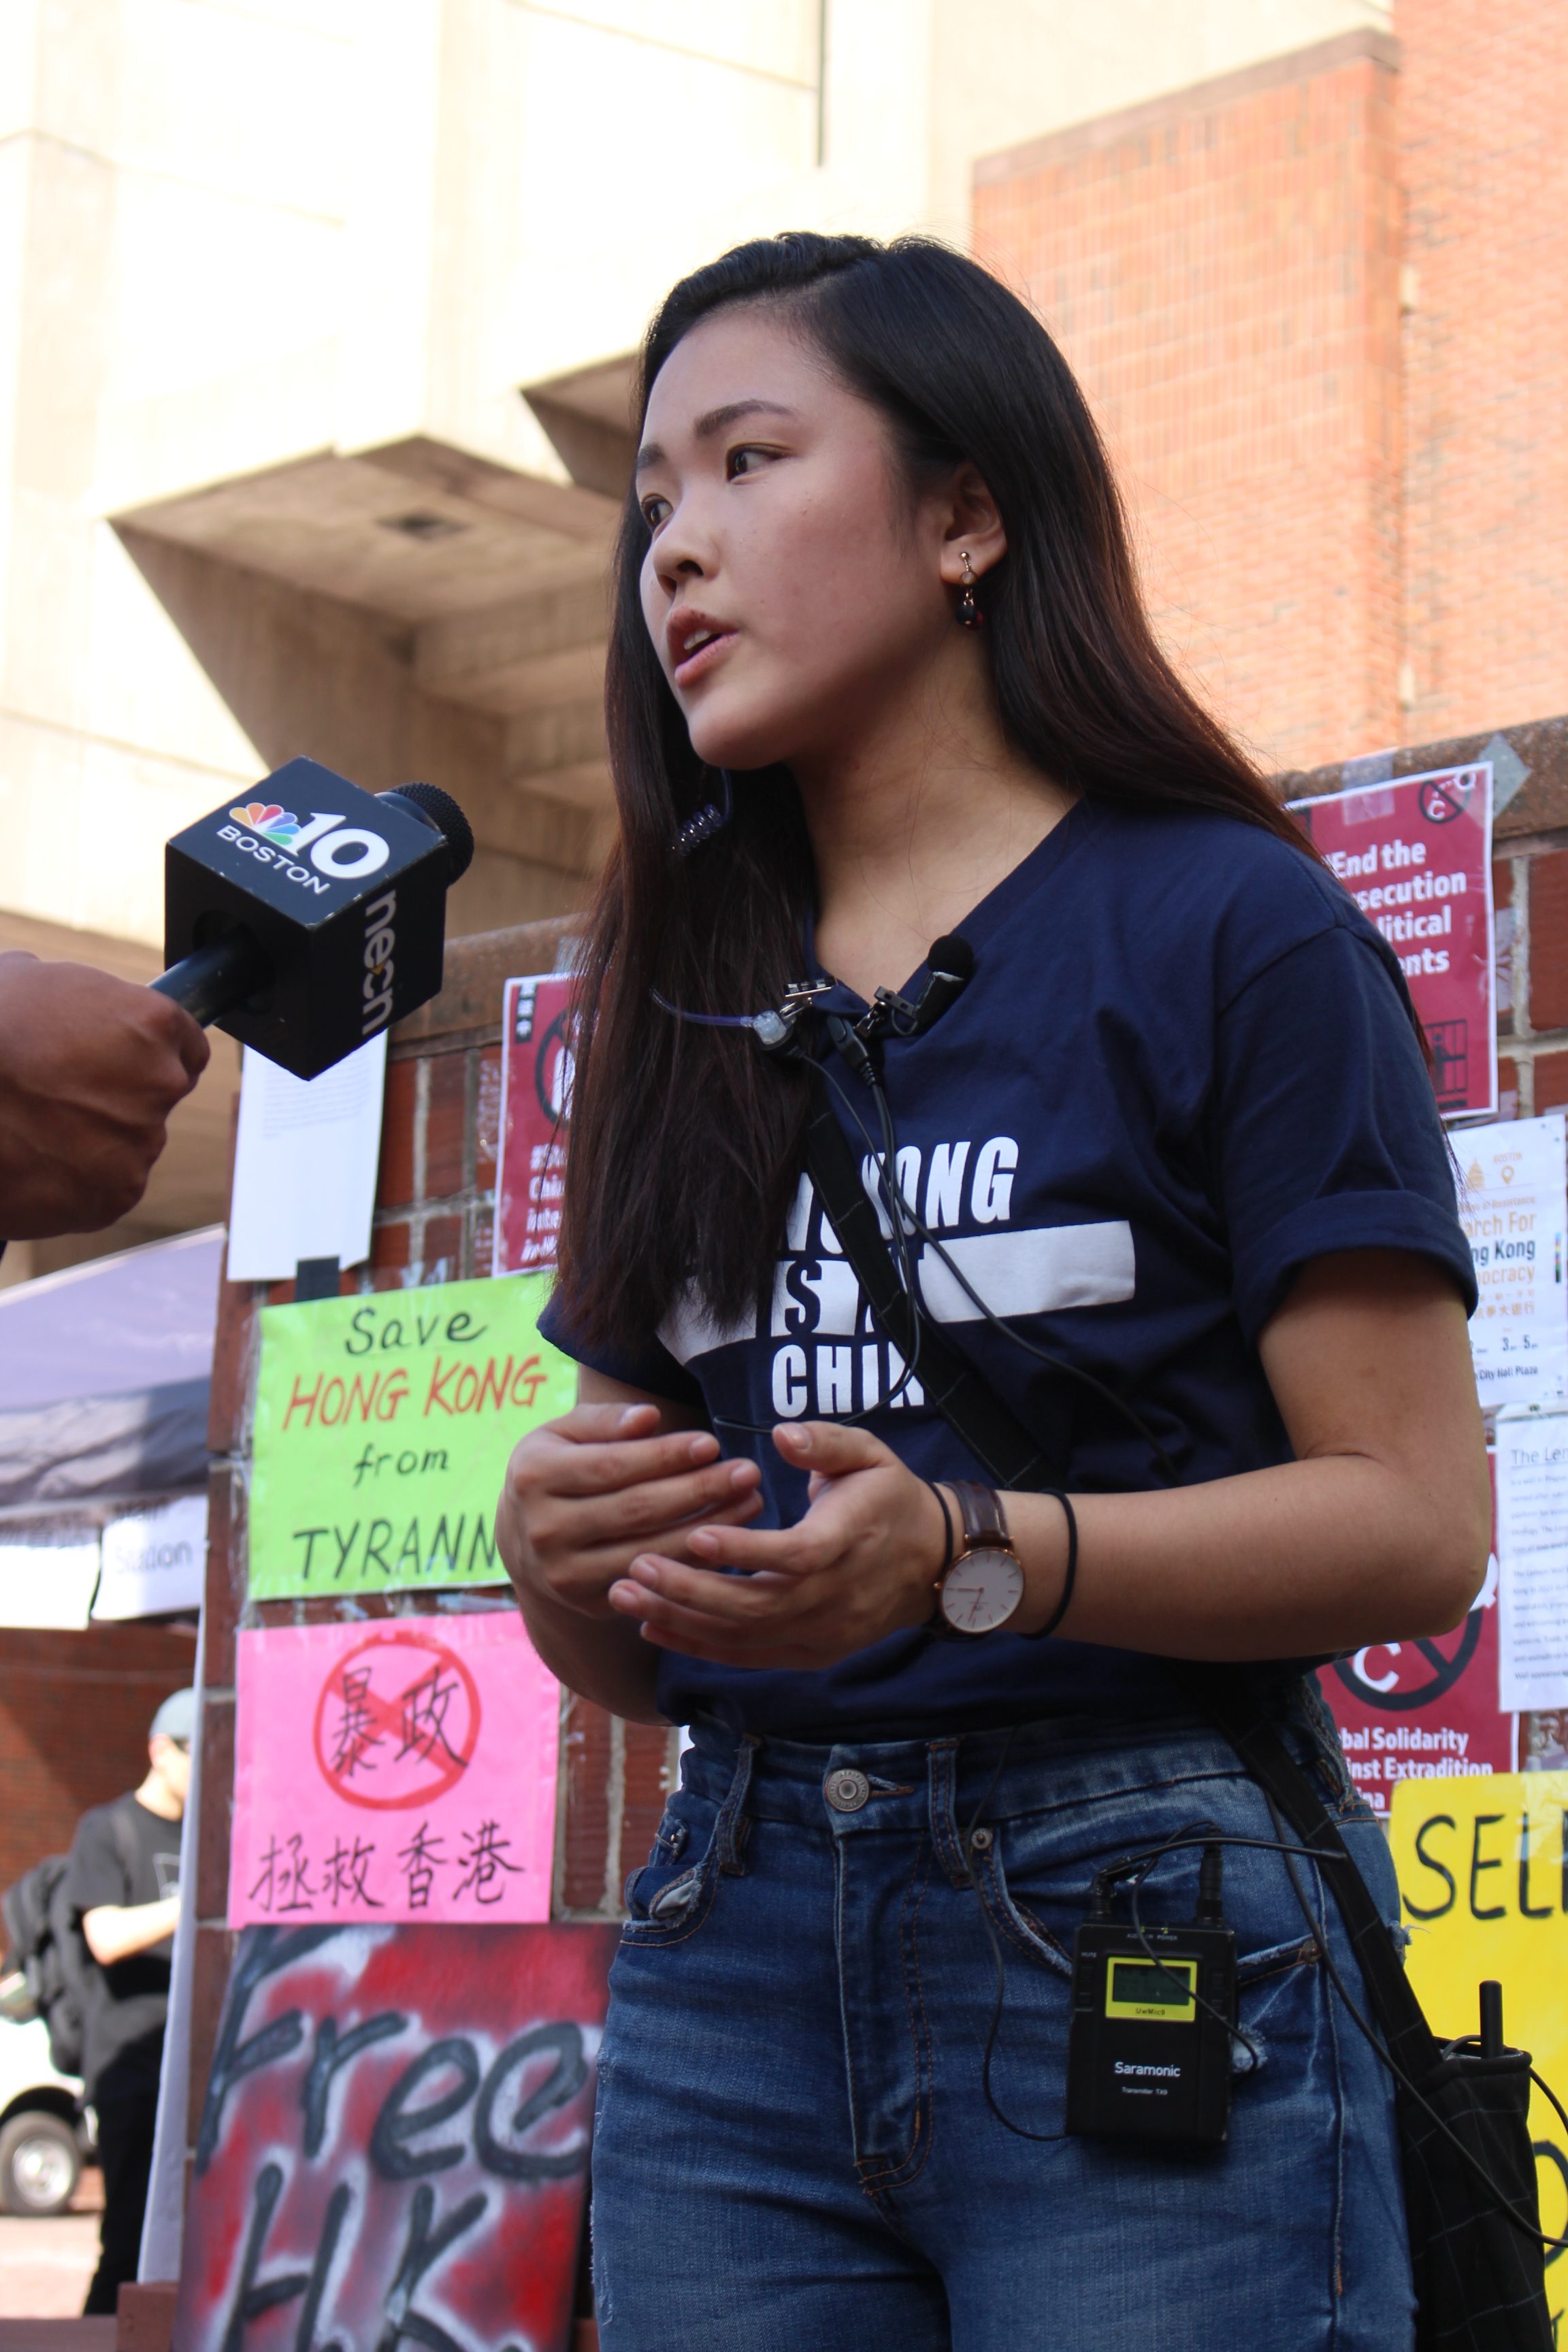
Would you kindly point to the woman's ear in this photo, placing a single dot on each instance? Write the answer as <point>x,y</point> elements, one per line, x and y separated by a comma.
<point>972,525</point>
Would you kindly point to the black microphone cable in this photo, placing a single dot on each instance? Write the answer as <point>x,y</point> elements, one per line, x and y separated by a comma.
<point>918,1225</point>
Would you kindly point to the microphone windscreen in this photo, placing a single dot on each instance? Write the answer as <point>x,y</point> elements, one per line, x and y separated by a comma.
<point>439,808</point>
<point>952,955</point>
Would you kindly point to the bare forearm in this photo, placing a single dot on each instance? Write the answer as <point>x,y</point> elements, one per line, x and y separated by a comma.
<point>116,1931</point>
<point>1312,1556</point>
<point>601,1658</point>
<point>1377,1531</point>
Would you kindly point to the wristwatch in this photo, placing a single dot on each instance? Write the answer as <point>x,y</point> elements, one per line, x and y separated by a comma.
<point>983,1589</point>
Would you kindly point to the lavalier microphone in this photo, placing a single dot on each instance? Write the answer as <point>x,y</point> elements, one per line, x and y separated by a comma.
<point>949,968</point>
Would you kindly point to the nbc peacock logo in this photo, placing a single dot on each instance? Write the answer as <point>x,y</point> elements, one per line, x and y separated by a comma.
<point>266,817</point>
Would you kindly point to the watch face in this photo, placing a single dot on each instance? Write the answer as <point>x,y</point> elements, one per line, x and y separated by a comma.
<point>982,1590</point>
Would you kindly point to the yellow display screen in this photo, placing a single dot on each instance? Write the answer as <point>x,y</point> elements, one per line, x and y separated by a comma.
<point>1162,1991</point>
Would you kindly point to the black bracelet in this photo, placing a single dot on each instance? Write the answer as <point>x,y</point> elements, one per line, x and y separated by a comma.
<point>1070,1578</point>
<point>947,1524</point>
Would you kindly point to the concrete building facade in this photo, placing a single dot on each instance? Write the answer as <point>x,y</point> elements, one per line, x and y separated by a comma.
<point>314,325</point>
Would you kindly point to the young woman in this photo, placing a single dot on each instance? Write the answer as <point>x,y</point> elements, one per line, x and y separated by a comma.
<point>1176,1134</point>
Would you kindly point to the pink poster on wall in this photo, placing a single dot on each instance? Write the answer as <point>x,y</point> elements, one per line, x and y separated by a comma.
<point>535,1114</point>
<point>1416,856</point>
<point>404,1770</point>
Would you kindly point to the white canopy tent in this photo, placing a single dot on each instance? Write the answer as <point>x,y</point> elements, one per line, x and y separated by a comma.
<point>105,1371</point>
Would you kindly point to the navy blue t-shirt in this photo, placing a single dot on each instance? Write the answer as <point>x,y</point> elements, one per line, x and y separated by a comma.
<point>1183,1068</point>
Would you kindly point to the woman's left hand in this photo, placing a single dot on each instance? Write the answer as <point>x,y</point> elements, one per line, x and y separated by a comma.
<point>861,1564</point>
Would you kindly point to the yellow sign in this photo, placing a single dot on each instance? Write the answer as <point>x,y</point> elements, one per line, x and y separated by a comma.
<point>1483,1872</point>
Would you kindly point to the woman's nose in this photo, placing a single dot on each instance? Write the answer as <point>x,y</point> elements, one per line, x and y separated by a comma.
<point>684,549</point>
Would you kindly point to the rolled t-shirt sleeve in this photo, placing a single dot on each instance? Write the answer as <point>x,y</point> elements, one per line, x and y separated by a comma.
<point>649,1365</point>
<point>1326,1135</point>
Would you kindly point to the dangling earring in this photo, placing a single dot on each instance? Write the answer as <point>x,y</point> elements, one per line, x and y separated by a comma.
<point>970,616</point>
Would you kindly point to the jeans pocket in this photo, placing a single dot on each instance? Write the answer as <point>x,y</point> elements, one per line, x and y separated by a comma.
<point>668,1898</point>
<point>1025,1923</point>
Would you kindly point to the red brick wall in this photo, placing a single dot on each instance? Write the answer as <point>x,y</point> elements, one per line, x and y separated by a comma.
<point>1483,94</point>
<point>1221,269</point>
<point>433,1223</point>
<point>1318,308</point>
<point>74,1712</point>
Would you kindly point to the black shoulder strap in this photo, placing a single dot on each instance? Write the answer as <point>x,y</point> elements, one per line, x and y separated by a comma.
<point>1227,1699</point>
<point>126,1845</point>
<point>998,1440</point>
<point>992,1433</point>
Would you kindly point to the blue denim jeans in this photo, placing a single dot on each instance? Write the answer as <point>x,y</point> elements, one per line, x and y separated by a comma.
<point>793,2151</point>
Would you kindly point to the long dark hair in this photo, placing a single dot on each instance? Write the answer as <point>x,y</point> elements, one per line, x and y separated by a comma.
<point>685,1142</point>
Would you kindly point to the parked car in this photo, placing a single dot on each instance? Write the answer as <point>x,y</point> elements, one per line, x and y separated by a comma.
<point>45,2130</point>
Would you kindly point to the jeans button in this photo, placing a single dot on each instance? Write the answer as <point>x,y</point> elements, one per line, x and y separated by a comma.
<point>847,1792</point>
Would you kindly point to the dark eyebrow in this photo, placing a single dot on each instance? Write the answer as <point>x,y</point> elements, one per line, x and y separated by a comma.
<point>714,421</point>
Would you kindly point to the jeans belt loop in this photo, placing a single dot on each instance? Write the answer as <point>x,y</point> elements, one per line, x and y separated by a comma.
<point>945,1829</point>
<point>729,1835</point>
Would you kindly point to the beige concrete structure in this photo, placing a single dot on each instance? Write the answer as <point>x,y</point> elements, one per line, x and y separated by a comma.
<point>313,325</point>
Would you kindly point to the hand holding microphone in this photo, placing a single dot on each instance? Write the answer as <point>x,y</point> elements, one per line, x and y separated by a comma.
<point>90,1066</point>
<point>303,921</point>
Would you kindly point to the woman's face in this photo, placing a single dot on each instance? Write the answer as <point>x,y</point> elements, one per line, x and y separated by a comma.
<point>792,588</point>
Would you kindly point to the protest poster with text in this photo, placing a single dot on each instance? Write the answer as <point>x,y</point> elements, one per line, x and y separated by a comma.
<point>1513,1205</point>
<point>1532,1523</point>
<point>1416,856</point>
<point>383,1426</point>
<point>1483,1878</point>
<point>392,2149</point>
<point>402,1770</point>
<point>537,1065</point>
<point>1426,1709</point>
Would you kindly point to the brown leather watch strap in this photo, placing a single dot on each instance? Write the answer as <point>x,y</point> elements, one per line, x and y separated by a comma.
<point>984,1522</point>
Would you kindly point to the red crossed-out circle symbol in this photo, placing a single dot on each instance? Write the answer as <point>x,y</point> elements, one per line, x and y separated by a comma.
<point>1398,1692</point>
<point>555,1067</point>
<point>397,1721</point>
<point>1447,797</point>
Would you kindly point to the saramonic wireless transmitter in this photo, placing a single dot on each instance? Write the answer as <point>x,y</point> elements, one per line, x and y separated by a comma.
<point>1149,2049</point>
<point>1145,2060</point>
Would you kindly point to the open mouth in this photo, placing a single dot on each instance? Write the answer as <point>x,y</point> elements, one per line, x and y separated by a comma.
<point>697,651</point>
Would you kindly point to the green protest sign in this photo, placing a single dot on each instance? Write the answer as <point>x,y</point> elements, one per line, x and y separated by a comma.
<point>383,1429</point>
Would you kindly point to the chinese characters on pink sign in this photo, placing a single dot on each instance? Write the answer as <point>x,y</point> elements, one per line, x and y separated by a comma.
<point>1415,856</point>
<point>536,1108</point>
<point>390,1771</point>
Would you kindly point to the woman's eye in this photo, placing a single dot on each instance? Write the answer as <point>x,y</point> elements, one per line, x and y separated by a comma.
<point>654,512</point>
<point>744,461</point>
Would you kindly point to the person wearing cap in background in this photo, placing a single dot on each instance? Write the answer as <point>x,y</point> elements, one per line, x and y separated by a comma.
<point>124,1888</point>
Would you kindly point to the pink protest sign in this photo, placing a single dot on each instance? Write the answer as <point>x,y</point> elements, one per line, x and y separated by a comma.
<point>535,1112</point>
<point>400,1770</point>
<point>1416,856</point>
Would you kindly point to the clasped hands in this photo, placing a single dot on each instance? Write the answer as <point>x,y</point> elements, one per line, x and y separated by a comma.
<point>603,1517</point>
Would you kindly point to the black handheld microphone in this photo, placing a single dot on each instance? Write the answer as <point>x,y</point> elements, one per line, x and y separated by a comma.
<point>312,916</point>
<point>949,968</point>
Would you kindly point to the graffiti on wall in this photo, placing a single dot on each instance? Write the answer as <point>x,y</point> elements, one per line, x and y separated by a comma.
<point>394,2147</point>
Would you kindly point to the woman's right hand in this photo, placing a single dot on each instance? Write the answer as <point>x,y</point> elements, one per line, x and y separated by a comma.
<point>585,1494</point>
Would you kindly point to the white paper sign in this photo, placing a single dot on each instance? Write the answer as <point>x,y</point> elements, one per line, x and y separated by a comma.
<point>48,1584</point>
<point>304,1166</point>
<point>1514,1209</point>
<point>1532,1555</point>
<point>155,1561</point>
